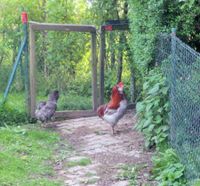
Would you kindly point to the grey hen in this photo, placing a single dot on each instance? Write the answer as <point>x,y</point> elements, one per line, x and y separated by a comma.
<point>40,105</point>
<point>46,109</point>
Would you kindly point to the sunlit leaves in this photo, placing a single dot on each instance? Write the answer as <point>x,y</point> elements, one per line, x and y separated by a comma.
<point>153,110</point>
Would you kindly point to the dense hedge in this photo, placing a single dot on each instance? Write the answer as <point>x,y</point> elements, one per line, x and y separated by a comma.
<point>150,17</point>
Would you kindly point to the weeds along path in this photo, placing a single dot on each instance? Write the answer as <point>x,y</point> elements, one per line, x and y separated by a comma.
<point>99,158</point>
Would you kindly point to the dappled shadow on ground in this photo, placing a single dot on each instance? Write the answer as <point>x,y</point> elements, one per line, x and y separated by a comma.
<point>98,156</point>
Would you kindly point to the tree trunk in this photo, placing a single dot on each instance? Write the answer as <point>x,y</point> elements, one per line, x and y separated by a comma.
<point>132,88</point>
<point>44,40</point>
<point>44,50</point>
<point>42,7</point>
<point>14,53</point>
<point>1,59</point>
<point>120,57</point>
<point>122,40</point>
<point>2,53</point>
<point>112,49</point>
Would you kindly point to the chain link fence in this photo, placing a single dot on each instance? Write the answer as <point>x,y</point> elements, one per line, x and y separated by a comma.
<point>181,65</point>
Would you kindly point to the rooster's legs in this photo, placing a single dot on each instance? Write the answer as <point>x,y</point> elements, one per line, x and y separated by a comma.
<point>113,131</point>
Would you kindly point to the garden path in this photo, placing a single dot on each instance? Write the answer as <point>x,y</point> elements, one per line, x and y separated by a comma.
<point>99,158</point>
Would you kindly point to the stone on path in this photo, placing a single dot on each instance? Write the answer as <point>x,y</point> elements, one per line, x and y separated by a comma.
<point>104,153</point>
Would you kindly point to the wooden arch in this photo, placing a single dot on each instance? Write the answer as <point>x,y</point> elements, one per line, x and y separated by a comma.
<point>35,26</point>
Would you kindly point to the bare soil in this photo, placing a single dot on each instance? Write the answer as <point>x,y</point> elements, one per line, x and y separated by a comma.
<point>91,139</point>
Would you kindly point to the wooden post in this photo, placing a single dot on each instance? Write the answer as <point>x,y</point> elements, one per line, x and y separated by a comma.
<point>32,100</point>
<point>102,60</point>
<point>94,70</point>
<point>34,26</point>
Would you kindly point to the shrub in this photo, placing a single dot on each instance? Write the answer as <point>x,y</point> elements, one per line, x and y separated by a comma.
<point>168,170</point>
<point>11,116</point>
<point>152,111</point>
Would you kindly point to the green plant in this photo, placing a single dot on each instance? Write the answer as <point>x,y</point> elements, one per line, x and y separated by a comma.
<point>196,183</point>
<point>74,102</point>
<point>26,156</point>
<point>80,162</point>
<point>130,172</point>
<point>11,115</point>
<point>153,110</point>
<point>168,170</point>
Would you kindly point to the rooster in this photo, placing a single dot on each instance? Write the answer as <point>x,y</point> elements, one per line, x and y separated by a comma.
<point>46,109</point>
<point>115,109</point>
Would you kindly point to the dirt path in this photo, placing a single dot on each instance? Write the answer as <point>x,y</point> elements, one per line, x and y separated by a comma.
<point>98,157</point>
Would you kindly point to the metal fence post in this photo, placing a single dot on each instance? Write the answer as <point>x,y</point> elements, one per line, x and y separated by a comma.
<point>26,82</point>
<point>172,88</point>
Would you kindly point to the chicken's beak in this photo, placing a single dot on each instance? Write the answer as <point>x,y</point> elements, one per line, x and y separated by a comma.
<point>120,89</point>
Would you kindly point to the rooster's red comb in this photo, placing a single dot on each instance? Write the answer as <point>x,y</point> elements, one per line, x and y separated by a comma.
<point>120,84</point>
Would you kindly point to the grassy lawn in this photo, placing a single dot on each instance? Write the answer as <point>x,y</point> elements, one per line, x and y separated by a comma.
<point>27,152</point>
<point>65,102</point>
<point>14,111</point>
<point>26,156</point>
<point>74,102</point>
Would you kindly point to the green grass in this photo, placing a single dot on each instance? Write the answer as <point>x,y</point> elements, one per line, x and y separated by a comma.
<point>197,183</point>
<point>15,100</point>
<point>74,102</point>
<point>66,102</point>
<point>130,172</point>
<point>26,155</point>
<point>81,162</point>
<point>14,110</point>
<point>70,101</point>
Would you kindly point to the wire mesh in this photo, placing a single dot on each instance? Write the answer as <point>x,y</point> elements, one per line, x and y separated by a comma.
<point>181,65</point>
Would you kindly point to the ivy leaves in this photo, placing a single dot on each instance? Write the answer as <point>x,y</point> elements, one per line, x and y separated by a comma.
<point>153,110</point>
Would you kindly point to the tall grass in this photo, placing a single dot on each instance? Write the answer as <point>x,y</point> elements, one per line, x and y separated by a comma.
<point>14,111</point>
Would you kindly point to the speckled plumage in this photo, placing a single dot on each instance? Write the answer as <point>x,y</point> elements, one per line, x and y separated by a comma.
<point>46,109</point>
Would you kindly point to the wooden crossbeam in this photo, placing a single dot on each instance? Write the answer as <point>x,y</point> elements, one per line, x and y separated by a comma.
<point>74,114</point>
<point>62,27</point>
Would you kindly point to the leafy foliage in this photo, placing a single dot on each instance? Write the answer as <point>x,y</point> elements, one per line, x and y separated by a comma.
<point>59,55</point>
<point>168,170</point>
<point>149,18</point>
<point>153,110</point>
<point>144,24</point>
<point>130,173</point>
<point>11,116</point>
